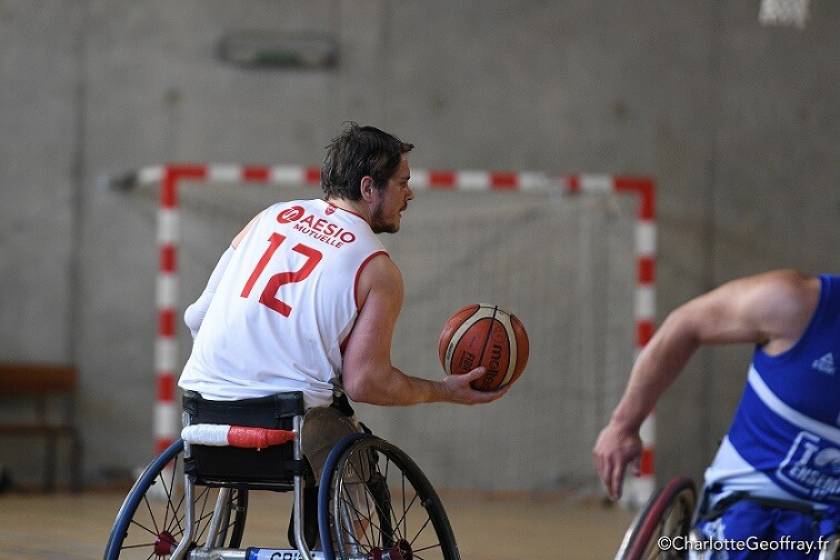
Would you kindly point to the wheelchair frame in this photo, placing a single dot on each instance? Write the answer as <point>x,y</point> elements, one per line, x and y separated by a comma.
<point>302,548</point>
<point>339,457</point>
<point>639,537</point>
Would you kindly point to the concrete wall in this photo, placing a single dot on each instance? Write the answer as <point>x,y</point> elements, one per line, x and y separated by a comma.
<point>737,123</point>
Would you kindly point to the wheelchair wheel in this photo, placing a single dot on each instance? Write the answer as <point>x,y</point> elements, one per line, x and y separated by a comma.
<point>832,550</point>
<point>150,521</point>
<point>668,513</point>
<point>374,502</point>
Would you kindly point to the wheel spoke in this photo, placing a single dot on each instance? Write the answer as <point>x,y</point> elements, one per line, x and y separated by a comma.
<point>151,514</point>
<point>180,530</point>
<point>345,492</point>
<point>405,521</point>
<point>176,518</point>
<point>404,517</point>
<point>360,522</point>
<point>155,533</point>
<point>367,496</point>
<point>368,519</point>
<point>204,497</point>
<point>127,547</point>
<point>381,502</point>
<point>416,550</point>
<point>428,519</point>
<point>169,490</point>
<point>206,517</point>
<point>389,515</point>
<point>152,524</point>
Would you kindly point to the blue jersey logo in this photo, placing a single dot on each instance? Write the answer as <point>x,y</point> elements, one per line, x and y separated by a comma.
<point>812,468</point>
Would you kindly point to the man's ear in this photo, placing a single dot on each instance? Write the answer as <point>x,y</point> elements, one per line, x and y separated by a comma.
<point>366,188</point>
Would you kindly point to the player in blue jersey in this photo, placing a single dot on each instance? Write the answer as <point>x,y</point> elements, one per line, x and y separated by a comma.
<point>776,475</point>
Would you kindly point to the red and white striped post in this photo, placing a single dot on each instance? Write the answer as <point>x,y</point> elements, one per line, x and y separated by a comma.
<point>637,490</point>
<point>169,177</point>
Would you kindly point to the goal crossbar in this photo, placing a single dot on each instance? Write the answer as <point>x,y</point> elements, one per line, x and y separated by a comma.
<point>168,178</point>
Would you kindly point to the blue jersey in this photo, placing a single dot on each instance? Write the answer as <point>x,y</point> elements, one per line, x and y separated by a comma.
<point>784,441</point>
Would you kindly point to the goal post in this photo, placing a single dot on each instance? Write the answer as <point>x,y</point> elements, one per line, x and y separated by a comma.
<point>483,239</point>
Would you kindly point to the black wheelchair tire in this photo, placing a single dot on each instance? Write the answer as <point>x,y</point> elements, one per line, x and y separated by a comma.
<point>678,496</point>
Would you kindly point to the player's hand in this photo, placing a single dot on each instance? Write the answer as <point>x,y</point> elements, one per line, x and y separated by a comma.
<point>615,448</point>
<point>458,389</point>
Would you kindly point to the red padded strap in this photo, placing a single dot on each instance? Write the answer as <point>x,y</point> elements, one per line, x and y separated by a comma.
<point>258,438</point>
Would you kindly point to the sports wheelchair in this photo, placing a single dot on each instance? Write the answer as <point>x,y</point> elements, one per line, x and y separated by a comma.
<point>672,512</point>
<point>373,501</point>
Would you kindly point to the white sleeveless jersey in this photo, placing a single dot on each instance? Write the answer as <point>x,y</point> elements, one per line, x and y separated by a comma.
<point>284,306</point>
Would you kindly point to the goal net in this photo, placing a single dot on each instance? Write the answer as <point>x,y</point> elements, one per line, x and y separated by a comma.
<point>565,264</point>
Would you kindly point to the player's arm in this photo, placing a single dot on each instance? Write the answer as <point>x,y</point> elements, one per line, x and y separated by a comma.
<point>367,372</point>
<point>195,312</point>
<point>770,309</point>
<point>244,232</point>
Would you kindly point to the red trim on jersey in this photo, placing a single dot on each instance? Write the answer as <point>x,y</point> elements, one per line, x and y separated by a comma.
<point>359,274</point>
<point>343,344</point>
<point>346,210</point>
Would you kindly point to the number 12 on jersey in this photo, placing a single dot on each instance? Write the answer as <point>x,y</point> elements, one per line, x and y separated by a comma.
<point>269,294</point>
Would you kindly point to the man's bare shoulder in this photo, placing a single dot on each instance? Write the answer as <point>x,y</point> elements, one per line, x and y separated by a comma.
<point>382,271</point>
<point>784,302</point>
<point>381,275</point>
<point>772,308</point>
<point>790,288</point>
<point>239,236</point>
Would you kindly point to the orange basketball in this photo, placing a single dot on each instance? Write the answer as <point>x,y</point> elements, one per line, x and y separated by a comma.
<point>484,335</point>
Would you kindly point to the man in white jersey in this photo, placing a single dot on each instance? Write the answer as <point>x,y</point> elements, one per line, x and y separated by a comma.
<point>306,298</point>
<point>777,472</point>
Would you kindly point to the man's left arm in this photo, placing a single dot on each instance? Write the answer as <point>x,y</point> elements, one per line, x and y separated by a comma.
<point>194,314</point>
<point>770,309</point>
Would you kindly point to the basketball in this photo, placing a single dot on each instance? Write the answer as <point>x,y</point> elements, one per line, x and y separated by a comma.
<point>484,335</point>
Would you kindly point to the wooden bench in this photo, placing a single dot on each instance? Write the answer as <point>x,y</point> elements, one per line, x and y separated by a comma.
<point>44,385</point>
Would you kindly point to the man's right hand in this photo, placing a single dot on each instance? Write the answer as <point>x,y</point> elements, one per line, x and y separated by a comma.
<point>615,448</point>
<point>457,388</point>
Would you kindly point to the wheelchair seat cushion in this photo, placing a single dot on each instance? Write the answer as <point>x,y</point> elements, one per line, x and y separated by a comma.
<point>274,464</point>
